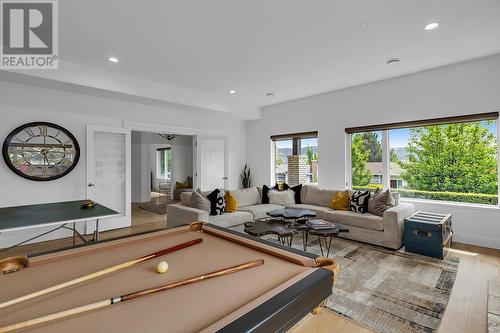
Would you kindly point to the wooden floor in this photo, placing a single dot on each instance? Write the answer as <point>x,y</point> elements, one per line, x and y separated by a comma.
<point>466,311</point>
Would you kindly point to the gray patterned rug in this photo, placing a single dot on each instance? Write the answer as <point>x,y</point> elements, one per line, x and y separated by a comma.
<point>389,291</point>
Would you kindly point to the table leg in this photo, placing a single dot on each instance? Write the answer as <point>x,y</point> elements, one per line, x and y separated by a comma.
<point>320,246</point>
<point>96,236</point>
<point>305,237</point>
<point>329,245</point>
<point>74,234</point>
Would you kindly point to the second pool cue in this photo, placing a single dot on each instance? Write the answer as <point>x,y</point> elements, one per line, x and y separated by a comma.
<point>100,273</point>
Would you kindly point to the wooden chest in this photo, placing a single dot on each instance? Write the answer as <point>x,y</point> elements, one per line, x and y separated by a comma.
<point>428,234</point>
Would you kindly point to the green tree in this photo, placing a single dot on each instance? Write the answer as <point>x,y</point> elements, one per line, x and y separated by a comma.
<point>373,146</point>
<point>311,156</point>
<point>359,156</point>
<point>392,156</point>
<point>453,158</point>
<point>278,158</point>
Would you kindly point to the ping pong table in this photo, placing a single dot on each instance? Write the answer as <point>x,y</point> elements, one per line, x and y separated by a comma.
<point>60,214</point>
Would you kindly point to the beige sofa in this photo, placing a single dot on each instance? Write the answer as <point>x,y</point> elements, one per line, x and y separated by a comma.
<point>386,230</point>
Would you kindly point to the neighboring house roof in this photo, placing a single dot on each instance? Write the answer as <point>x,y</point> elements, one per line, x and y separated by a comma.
<point>376,168</point>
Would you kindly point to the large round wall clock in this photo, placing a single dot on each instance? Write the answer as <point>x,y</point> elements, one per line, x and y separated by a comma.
<point>41,151</point>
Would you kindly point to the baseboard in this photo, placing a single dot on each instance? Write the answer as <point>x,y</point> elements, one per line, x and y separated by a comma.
<point>493,243</point>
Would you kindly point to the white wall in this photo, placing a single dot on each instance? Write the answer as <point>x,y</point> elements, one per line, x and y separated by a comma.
<point>465,88</point>
<point>21,103</point>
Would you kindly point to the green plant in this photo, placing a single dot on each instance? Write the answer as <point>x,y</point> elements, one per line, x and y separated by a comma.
<point>246,180</point>
<point>359,156</point>
<point>480,198</point>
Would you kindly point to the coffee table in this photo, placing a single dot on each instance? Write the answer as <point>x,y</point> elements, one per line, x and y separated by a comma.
<point>285,214</point>
<point>264,227</point>
<point>324,234</point>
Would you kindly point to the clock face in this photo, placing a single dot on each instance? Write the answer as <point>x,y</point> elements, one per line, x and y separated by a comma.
<point>41,151</point>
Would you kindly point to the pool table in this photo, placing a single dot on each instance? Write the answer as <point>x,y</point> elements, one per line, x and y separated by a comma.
<point>268,298</point>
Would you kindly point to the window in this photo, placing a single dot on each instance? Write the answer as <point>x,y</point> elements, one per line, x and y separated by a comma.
<point>295,158</point>
<point>164,163</point>
<point>449,159</point>
<point>366,160</point>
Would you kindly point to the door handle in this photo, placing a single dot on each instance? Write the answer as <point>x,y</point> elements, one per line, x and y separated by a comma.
<point>225,178</point>
<point>91,185</point>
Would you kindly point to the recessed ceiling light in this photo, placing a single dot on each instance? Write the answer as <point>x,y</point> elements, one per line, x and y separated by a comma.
<point>393,61</point>
<point>113,59</point>
<point>232,91</point>
<point>431,26</point>
<point>270,94</point>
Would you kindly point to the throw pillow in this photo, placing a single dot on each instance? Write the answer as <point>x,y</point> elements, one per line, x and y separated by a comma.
<point>217,202</point>
<point>265,196</point>
<point>282,198</point>
<point>359,201</point>
<point>231,203</point>
<point>189,180</point>
<point>179,185</point>
<point>297,189</point>
<point>340,201</point>
<point>197,200</point>
<point>380,203</point>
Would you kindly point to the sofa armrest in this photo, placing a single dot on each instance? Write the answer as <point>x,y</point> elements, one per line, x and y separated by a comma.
<point>394,225</point>
<point>178,214</point>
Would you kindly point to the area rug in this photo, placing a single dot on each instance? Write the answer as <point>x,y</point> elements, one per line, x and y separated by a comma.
<point>158,208</point>
<point>388,291</point>
<point>493,306</point>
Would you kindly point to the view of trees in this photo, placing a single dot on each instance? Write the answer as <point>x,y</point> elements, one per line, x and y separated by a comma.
<point>454,158</point>
<point>311,156</point>
<point>359,155</point>
<point>450,159</point>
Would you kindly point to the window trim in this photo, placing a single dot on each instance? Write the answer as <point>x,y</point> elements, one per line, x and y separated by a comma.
<point>424,122</point>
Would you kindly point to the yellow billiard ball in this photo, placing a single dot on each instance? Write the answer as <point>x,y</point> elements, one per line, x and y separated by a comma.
<point>162,267</point>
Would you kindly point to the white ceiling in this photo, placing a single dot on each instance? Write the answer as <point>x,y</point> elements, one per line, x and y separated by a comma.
<point>193,52</point>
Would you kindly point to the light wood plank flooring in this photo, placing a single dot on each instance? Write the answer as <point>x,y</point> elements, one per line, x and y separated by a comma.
<point>466,311</point>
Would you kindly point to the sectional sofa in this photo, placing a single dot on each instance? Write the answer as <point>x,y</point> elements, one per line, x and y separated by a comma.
<point>386,230</point>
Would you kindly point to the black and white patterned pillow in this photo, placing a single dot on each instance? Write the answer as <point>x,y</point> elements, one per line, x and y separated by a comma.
<point>217,202</point>
<point>359,201</point>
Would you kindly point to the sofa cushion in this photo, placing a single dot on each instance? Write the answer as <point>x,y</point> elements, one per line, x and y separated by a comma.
<point>365,221</point>
<point>247,196</point>
<point>260,211</point>
<point>340,201</point>
<point>380,202</point>
<point>264,194</point>
<point>317,196</point>
<point>281,197</point>
<point>231,203</point>
<point>231,219</point>
<point>320,210</point>
<point>359,201</point>
<point>198,201</point>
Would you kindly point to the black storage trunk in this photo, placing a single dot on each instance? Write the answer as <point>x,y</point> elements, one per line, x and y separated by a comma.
<point>428,234</point>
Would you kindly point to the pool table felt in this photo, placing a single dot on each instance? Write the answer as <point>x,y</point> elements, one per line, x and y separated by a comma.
<point>210,303</point>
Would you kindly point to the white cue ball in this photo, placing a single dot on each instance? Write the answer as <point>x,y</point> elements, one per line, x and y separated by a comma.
<point>162,267</point>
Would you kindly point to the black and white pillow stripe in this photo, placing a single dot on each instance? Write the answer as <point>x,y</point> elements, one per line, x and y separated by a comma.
<point>359,201</point>
<point>217,202</point>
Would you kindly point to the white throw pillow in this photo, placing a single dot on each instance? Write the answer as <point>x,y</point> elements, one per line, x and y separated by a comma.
<point>282,198</point>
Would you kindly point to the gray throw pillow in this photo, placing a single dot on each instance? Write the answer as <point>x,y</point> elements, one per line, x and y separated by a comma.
<point>381,202</point>
<point>198,201</point>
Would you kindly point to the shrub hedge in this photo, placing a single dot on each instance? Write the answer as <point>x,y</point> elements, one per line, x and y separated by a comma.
<point>480,198</point>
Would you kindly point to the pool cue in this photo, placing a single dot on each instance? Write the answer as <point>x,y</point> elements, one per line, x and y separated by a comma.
<point>130,296</point>
<point>100,273</point>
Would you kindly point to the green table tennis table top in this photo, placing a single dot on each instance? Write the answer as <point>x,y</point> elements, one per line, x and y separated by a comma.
<point>31,216</point>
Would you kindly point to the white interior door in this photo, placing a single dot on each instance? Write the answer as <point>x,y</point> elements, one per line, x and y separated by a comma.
<point>211,162</point>
<point>108,174</point>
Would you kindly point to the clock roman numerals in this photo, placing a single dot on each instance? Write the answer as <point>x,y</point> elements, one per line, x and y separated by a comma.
<point>41,151</point>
